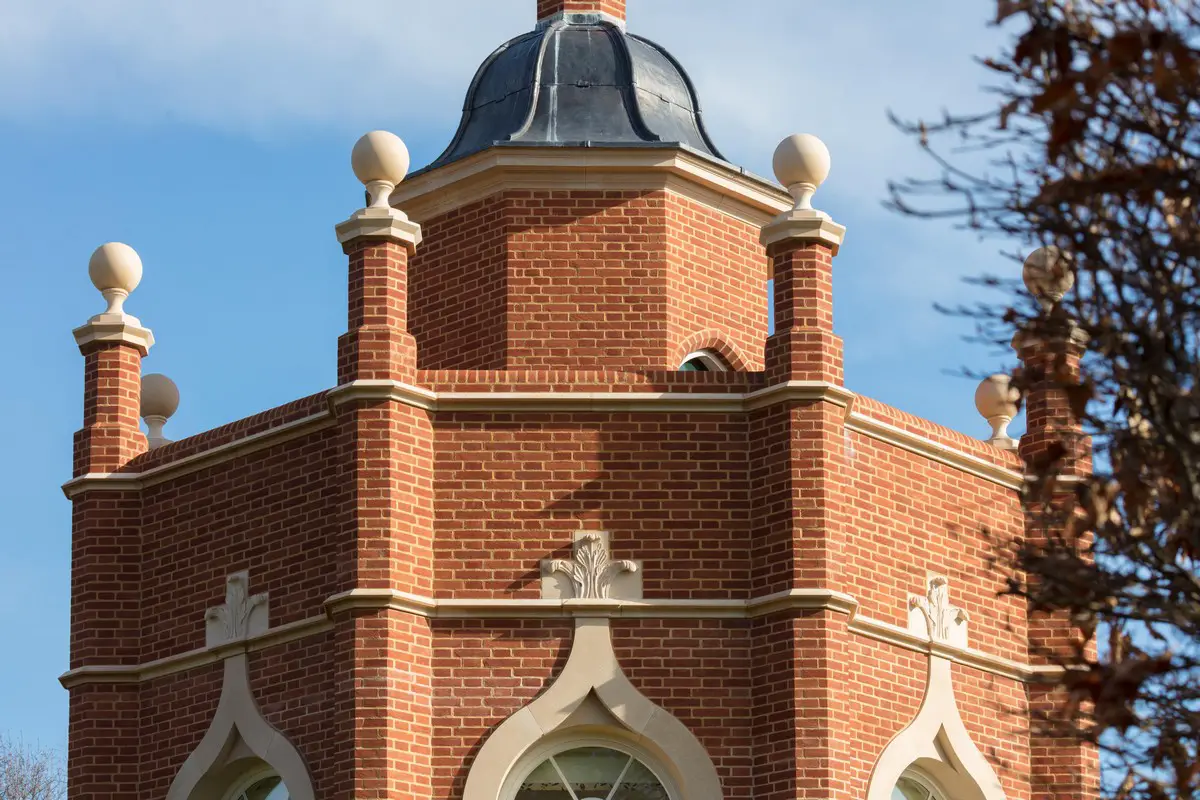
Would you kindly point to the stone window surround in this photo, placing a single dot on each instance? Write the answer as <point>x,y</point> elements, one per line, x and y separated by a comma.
<point>593,677</point>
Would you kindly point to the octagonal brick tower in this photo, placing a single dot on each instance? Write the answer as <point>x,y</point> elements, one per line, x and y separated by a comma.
<point>567,523</point>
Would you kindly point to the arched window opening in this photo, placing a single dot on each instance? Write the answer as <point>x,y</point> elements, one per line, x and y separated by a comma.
<point>588,769</point>
<point>704,361</point>
<point>260,787</point>
<point>915,786</point>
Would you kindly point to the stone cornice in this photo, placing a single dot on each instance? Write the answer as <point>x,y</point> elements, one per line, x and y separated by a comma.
<point>934,451</point>
<point>796,599</point>
<point>696,402</point>
<point>728,190</point>
<point>799,391</point>
<point>139,673</point>
<point>793,601</point>
<point>901,637</point>
<point>128,481</point>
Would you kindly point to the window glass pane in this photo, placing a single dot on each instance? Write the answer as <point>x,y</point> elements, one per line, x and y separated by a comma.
<point>592,771</point>
<point>271,788</point>
<point>695,365</point>
<point>639,783</point>
<point>908,789</point>
<point>543,784</point>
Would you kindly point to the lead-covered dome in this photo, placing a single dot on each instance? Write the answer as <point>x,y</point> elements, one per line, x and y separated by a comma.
<point>580,80</point>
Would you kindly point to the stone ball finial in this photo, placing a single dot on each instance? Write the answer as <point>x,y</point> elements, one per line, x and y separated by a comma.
<point>116,270</point>
<point>1047,274</point>
<point>380,160</point>
<point>996,400</point>
<point>802,164</point>
<point>160,399</point>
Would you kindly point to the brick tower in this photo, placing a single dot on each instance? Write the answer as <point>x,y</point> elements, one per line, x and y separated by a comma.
<point>569,524</point>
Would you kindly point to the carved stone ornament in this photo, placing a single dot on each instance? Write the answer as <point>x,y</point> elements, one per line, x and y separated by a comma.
<point>239,736</point>
<point>937,741</point>
<point>590,573</point>
<point>241,616</point>
<point>934,617</point>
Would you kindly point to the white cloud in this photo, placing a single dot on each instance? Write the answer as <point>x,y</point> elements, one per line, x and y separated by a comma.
<point>764,68</point>
<point>233,65</point>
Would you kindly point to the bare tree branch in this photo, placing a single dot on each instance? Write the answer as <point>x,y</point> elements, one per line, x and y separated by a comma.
<point>1093,147</point>
<point>30,773</point>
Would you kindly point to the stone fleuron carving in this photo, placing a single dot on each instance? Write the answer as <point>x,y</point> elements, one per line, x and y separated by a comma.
<point>242,614</point>
<point>937,741</point>
<point>593,575</point>
<point>943,622</point>
<point>238,734</point>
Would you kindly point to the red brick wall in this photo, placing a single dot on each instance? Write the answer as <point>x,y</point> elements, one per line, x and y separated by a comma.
<point>908,516</point>
<point>512,488</point>
<point>276,512</point>
<point>295,686</point>
<point>717,281</point>
<point>587,280</point>
<point>483,673</point>
<point>459,288</point>
<point>587,275</point>
<point>880,701</point>
<point>112,392</point>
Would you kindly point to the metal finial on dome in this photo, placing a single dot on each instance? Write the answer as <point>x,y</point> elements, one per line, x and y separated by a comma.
<point>160,399</point>
<point>380,160</point>
<point>996,400</point>
<point>801,163</point>
<point>115,270</point>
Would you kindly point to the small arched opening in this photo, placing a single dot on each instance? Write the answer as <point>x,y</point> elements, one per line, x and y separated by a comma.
<point>703,361</point>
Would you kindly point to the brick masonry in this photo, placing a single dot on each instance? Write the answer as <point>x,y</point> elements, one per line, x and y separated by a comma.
<point>536,280</point>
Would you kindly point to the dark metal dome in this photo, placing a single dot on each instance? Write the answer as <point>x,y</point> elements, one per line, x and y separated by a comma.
<point>581,81</point>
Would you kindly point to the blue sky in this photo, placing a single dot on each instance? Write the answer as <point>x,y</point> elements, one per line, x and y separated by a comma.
<point>214,138</point>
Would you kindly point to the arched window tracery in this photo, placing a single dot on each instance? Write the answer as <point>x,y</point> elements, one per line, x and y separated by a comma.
<point>589,768</point>
<point>260,786</point>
